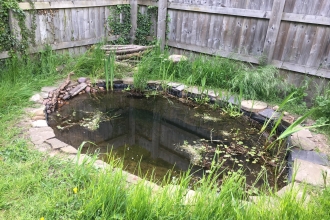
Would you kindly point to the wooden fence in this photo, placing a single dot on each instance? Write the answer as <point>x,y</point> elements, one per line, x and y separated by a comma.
<point>290,34</point>
<point>293,35</point>
<point>67,25</point>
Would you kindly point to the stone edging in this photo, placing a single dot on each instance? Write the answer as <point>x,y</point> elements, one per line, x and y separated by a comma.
<point>308,165</point>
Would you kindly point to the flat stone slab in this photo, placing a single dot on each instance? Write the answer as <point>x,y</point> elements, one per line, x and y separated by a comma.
<point>43,147</point>
<point>310,173</point>
<point>310,156</point>
<point>194,90</point>
<point>38,117</point>
<point>181,88</point>
<point>270,114</point>
<point>253,105</point>
<point>36,98</point>
<point>154,82</point>
<point>39,135</point>
<point>173,84</point>
<point>82,158</point>
<point>128,80</point>
<point>38,111</point>
<point>77,89</point>
<point>302,133</point>
<point>55,143</point>
<point>177,58</point>
<point>69,150</point>
<point>212,94</point>
<point>303,143</point>
<point>131,178</point>
<point>44,95</point>
<point>39,123</point>
<point>101,164</point>
<point>48,89</point>
<point>296,189</point>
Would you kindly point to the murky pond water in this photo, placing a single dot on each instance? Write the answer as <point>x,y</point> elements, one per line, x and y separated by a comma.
<point>159,134</point>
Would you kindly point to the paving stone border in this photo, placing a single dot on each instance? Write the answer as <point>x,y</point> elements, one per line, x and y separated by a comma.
<point>309,166</point>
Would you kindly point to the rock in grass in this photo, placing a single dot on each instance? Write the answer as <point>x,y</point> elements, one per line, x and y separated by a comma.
<point>177,58</point>
<point>36,98</point>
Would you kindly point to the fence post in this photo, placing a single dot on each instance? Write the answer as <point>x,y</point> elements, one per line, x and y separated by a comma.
<point>161,25</point>
<point>273,29</point>
<point>134,9</point>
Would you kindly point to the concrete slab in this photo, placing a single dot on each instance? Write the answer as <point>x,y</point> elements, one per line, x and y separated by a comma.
<point>99,164</point>
<point>38,117</point>
<point>194,90</point>
<point>39,111</point>
<point>253,105</point>
<point>212,94</point>
<point>39,135</point>
<point>128,80</point>
<point>310,156</point>
<point>43,147</point>
<point>181,88</point>
<point>55,143</point>
<point>311,173</point>
<point>69,150</point>
<point>83,158</point>
<point>174,84</point>
<point>39,123</point>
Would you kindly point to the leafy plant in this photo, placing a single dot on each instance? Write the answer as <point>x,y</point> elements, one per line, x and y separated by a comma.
<point>144,23</point>
<point>8,41</point>
<point>322,104</point>
<point>119,22</point>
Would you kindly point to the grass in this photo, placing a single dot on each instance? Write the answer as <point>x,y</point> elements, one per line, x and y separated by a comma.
<point>35,186</point>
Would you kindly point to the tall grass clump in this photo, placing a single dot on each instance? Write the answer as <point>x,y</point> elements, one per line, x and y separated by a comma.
<point>20,77</point>
<point>91,63</point>
<point>259,83</point>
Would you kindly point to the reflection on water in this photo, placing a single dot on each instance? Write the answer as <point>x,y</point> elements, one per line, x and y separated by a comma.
<point>158,130</point>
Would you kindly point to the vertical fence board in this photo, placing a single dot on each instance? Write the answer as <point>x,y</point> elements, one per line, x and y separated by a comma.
<point>273,29</point>
<point>161,24</point>
<point>134,10</point>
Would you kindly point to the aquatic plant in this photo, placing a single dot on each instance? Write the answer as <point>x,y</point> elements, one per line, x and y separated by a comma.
<point>109,69</point>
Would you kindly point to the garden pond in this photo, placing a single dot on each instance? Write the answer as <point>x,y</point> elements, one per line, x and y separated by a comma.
<point>160,133</point>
